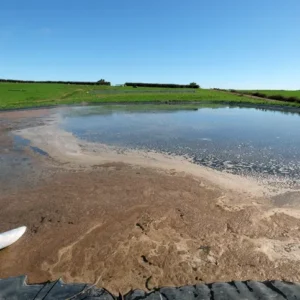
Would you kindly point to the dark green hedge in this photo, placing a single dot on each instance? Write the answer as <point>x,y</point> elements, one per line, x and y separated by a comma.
<point>274,97</point>
<point>161,85</point>
<point>61,82</point>
<point>262,95</point>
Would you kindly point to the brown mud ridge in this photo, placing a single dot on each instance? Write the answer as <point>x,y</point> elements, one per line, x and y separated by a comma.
<point>140,221</point>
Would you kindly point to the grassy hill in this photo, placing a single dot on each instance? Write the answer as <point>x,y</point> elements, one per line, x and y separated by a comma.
<point>284,93</point>
<point>280,95</point>
<point>22,95</point>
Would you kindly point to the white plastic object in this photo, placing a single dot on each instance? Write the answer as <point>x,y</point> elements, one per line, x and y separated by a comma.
<point>9,237</point>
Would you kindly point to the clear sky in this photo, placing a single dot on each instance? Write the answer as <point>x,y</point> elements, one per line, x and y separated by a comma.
<point>216,43</point>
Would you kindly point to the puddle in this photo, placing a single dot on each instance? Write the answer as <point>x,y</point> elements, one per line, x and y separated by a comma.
<point>18,167</point>
<point>20,142</point>
<point>238,140</point>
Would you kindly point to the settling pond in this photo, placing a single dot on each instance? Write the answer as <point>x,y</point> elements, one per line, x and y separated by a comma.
<point>240,140</point>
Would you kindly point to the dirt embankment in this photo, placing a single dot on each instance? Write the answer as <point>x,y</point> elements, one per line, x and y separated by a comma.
<point>132,224</point>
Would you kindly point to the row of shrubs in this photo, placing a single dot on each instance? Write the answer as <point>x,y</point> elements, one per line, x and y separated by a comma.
<point>162,85</point>
<point>272,97</point>
<point>100,82</point>
<point>103,82</point>
<point>262,95</point>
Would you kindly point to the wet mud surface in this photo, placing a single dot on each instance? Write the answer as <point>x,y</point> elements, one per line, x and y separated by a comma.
<point>126,226</point>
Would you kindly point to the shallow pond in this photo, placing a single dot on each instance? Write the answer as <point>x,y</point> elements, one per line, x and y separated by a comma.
<point>240,140</point>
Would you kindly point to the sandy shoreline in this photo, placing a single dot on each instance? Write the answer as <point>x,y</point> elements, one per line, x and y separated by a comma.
<point>66,148</point>
<point>130,219</point>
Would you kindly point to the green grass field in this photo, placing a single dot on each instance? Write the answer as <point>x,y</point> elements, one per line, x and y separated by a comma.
<point>275,92</point>
<point>25,95</point>
<point>278,95</point>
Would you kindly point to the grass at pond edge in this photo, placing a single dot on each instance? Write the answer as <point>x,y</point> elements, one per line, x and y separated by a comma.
<point>36,95</point>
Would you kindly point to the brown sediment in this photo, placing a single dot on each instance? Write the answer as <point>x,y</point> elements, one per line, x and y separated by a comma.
<point>143,220</point>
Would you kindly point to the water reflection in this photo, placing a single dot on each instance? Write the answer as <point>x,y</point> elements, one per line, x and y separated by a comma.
<point>242,140</point>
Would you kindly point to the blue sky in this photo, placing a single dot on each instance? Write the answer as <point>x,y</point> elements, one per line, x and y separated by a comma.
<point>217,43</point>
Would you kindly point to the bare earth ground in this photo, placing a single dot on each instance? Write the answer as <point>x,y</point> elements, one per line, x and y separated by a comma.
<point>132,221</point>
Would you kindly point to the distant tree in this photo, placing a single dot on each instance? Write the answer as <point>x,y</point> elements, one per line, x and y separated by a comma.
<point>103,82</point>
<point>193,84</point>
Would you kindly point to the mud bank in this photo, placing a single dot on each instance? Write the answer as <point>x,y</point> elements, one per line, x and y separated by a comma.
<point>132,219</point>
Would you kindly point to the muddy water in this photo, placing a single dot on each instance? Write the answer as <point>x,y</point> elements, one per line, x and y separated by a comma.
<point>141,219</point>
<point>247,141</point>
<point>19,168</point>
